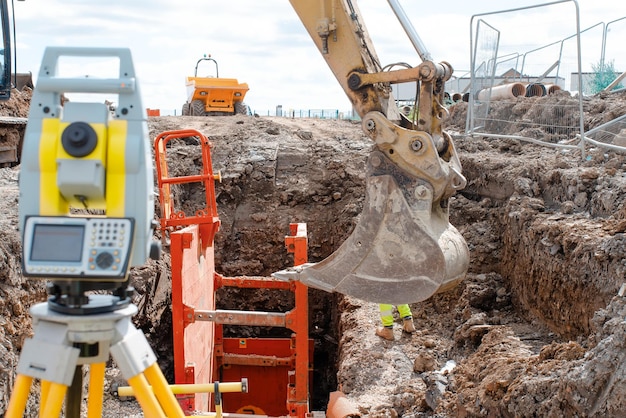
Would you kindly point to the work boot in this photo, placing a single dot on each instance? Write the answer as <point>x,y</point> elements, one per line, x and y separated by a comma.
<point>407,325</point>
<point>385,332</point>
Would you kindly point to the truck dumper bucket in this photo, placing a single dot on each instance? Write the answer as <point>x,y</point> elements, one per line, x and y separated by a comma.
<point>403,249</point>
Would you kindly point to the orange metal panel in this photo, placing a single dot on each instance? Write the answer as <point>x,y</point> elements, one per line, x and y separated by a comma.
<point>267,385</point>
<point>193,268</point>
<point>171,219</point>
<point>297,243</point>
<point>298,396</point>
<point>278,370</point>
<point>192,286</point>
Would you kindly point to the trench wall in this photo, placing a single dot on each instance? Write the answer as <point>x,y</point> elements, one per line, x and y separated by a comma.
<point>555,231</point>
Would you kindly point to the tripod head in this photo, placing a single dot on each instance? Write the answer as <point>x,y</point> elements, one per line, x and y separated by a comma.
<point>86,208</point>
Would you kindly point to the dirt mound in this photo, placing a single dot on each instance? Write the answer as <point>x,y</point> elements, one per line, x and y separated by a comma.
<point>19,103</point>
<point>13,114</point>
<point>536,328</point>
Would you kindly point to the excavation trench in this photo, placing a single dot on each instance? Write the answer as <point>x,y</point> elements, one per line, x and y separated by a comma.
<point>535,326</point>
<point>543,230</point>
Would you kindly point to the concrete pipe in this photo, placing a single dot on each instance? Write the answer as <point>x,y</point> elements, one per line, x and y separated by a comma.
<point>457,97</point>
<point>504,91</point>
<point>551,88</point>
<point>535,90</point>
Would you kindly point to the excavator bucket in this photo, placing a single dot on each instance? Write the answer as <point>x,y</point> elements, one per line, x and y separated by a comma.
<point>403,249</point>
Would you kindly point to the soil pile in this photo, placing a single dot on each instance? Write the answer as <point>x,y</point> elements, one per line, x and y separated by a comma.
<point>536,328</point>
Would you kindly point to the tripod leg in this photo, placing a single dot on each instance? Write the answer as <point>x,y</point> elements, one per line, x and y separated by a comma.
<point>54,401</point>
<point>74,398</point>
<point>96,390</point>
<point>135,358</point>
<point>163,392</point>
<point>19,397</point>
<point>45,389</point>
<point>145,396</point>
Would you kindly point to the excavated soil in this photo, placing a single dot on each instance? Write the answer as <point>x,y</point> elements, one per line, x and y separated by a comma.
<point>536,329</point>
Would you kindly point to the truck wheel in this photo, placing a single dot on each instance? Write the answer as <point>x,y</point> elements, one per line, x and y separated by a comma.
<point>186,109</point>
<point>197,108</point>
<point>241,108</point>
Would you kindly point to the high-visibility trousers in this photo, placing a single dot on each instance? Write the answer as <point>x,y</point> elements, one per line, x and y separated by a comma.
<point>386,313</point>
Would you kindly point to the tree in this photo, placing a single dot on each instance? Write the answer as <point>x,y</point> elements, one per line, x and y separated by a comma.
<point>603,75</point>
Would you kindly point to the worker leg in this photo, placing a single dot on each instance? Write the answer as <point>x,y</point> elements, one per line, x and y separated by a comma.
<point>407,318</point>
<point>386,314</point>
<point>386,317</point>
<point>404,311</point>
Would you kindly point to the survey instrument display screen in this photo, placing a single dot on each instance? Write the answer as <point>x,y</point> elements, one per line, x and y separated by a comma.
<point>57,243</point>
<point>77,248</point>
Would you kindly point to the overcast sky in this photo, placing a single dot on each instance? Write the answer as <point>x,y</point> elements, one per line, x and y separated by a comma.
<point>264,44</point>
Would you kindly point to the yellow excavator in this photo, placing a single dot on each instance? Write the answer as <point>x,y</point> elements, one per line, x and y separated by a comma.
<point>403,249</point>
<point>214,96</point>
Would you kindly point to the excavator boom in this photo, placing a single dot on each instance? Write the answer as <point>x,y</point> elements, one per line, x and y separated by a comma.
<point>403,249</point>
<point>336,29</point>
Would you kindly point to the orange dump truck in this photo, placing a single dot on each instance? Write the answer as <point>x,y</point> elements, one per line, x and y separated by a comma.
<point>214,96</point>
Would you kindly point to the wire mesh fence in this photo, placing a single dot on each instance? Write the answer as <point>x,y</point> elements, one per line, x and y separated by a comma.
<point>288,113</point>
<point>611,135</point>
<point>309,113</point>
<point>529,85</point>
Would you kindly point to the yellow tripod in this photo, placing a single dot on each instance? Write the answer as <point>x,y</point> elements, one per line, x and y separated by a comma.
<point>62,343</point>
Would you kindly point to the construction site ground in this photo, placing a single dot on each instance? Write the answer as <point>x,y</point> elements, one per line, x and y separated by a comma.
<point>536,329</point>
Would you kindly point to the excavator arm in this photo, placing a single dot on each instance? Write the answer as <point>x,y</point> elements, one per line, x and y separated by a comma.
<point>403,249</point>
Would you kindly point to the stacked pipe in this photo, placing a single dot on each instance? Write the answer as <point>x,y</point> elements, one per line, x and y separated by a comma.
<point>552,88</point>
<point>504,91</point>
<point>535,89</point>
<point>513,90</point>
